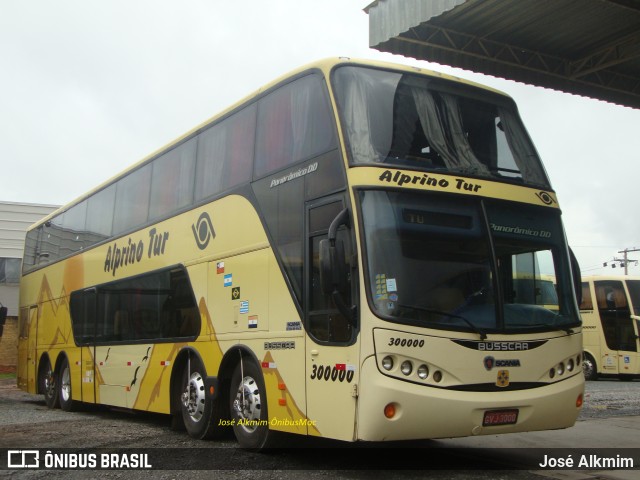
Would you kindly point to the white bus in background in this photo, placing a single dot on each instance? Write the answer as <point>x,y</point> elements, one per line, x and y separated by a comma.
<point>610,311</point>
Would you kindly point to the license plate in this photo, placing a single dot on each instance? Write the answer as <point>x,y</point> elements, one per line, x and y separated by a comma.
<point>500,417</point>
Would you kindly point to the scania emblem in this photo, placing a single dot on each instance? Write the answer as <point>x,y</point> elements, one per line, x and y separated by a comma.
<point>489,362</point>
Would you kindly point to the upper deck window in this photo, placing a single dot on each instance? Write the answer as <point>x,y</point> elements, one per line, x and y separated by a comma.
<point>422,122</point>
<point>294,124</point>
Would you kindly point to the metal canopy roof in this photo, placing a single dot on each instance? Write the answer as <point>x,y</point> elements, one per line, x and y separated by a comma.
<point>584,47</point>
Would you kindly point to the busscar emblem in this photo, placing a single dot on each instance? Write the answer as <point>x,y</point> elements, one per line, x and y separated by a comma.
<point>503,378</point>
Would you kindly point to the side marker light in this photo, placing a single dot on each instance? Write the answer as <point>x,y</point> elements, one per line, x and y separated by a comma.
<point>390,410</point>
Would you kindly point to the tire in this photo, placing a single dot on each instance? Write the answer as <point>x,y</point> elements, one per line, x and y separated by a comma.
<point>248,408</point>
<point>589,368</point>
<point>199,412</point>
<point>64,388</point>
<point>47,380</point>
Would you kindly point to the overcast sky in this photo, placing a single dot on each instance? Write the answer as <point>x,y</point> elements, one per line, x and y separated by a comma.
<point>89,87</point>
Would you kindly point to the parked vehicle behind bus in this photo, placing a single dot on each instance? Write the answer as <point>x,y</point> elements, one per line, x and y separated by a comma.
<point>610,311</point>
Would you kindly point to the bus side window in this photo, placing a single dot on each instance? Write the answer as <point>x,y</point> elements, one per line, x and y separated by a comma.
<point>587,303</point>
<point>294,124</point>
<point>121,326</point>
<point>615,315</point>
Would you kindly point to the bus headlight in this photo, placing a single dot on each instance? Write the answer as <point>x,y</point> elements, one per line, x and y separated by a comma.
<point>570,365</point>
<point>423,372</point>
<point>406,367</point>
<point>560,368</point>
<point>387,363</point>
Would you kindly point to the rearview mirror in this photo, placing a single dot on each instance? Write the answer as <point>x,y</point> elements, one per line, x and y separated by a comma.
<point>333,267</point>
<point>577,276</point>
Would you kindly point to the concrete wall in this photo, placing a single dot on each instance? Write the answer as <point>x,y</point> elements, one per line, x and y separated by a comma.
<point>15,219</point>
<point>9,345</point>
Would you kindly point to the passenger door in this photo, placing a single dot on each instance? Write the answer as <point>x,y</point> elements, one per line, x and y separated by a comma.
<point>23,326</point>
<point>331,348</point>
<point>27,329</point>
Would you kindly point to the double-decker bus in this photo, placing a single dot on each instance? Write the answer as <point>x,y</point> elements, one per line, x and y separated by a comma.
<point>335,256</point>
<point>610,310</point>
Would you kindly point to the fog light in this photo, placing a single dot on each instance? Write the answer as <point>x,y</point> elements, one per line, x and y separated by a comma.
<point>406,367</point>
<point>437,376</point>
<point>390,410</point>
<point>423,372</point>
<point>387,363</point>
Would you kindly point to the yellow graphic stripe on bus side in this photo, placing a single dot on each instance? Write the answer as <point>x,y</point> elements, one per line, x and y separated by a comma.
<point>436,182</point>
<point>53,311</point>
<point>50,308</point>
<point>98,378</point>
<point>157,378</point>
<point>299,421</point>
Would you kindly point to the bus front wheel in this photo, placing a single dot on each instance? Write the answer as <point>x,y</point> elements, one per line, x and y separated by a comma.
<point>589,368</point>
<point>248,407</point>
<point>48,387</point>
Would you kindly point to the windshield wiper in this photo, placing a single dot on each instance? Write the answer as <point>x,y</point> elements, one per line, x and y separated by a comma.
<point>475,329</point>
<point>567,330</point>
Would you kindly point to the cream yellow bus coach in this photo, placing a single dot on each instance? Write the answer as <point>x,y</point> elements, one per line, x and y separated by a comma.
<point>610,311</point>
<point>333,256</point>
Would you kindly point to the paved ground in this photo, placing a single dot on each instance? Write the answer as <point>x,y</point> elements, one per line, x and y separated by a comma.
<point>610,419</point>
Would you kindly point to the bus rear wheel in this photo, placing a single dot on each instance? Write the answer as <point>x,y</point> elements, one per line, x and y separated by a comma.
<point>248,407</point>
<point>48,384</point>
<point>589,368</point>
<point>64,388</point>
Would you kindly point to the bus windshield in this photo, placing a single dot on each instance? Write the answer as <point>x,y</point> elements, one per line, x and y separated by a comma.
<point>466,263</point>
<point>421,122</point>
<point>634,293</point>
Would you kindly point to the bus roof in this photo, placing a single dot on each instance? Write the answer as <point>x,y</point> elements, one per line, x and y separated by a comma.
<point>324,65</point>
<point>586,278</point>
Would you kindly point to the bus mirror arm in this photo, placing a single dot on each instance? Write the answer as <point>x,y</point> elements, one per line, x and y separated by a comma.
<point>333,271</point>
<point>349,311</point>
<point>341,219</point>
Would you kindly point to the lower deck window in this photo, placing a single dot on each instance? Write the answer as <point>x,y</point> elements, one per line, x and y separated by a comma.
<point>153,307</point>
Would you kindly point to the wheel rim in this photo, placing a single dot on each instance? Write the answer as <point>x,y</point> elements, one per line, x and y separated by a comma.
<point>65,385</point>
<point>247,404</point>
<point>587,368</point>
<point>193,397</point>
<point>49,383</point>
